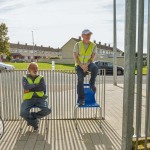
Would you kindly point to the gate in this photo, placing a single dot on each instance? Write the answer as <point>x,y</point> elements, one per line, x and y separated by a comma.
<point>61,90</point>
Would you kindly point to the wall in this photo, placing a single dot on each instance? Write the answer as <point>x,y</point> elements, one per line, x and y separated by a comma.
<point>120,60</point>
<point>58,61</point>
<point>67,50</point>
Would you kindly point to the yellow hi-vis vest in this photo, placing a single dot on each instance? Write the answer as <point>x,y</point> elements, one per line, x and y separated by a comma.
<point>28,95</point>
<point>85,55</point>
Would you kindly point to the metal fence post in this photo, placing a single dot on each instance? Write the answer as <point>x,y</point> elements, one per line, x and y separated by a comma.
<point>139,69</point>
<point>129,75</point>
<point>147,115</point>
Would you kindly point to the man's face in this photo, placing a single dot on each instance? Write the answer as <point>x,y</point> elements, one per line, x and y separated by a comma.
<point>33,70</point>
<point>86,37</point>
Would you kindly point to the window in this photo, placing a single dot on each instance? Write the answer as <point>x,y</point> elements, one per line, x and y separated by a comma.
<point>100,63</point>
<point>20,50</point>
<point>110,64</point>
<point>105,64</point>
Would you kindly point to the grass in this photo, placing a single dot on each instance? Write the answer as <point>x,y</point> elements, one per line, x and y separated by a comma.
<point>42,66</point>
<point>144,70</point>
<point>48,66</point>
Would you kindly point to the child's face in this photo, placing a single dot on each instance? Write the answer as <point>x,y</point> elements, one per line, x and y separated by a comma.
<point>33,70</point>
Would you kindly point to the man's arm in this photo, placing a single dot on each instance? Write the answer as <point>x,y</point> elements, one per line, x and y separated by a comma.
<point>75,54</point>
<point>40,87</point>
<point>26,85</point>
<point>76,59</point>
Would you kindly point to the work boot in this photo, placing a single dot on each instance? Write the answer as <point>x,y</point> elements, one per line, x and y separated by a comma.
<point>36,127</point>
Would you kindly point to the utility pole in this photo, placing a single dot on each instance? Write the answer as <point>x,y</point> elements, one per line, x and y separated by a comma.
<point>139,69</point>
<point>33,44</point>
<point>114,45</point>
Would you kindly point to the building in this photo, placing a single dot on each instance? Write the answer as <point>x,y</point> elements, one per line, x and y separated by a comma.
<point>28,52</point>
<point>63,55</point>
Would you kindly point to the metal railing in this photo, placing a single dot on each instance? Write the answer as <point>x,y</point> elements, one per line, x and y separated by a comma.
<point>139,119</point>
<point>61,90</point>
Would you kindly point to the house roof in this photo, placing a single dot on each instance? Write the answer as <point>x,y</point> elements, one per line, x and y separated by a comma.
<point>30,47</point>
<point>69,41</point>
<point>16,54</point>
<point>106,47</point>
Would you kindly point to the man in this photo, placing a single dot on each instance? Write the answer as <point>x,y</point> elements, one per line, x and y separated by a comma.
<point>34,96</point>
<point>84,54</point>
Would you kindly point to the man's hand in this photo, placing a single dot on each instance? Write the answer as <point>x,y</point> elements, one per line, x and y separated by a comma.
<point>84,67</point>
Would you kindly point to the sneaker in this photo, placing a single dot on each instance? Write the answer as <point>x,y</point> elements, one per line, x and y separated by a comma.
<point>81,102</point>
<point>93,88</point>
<point>36,128</point>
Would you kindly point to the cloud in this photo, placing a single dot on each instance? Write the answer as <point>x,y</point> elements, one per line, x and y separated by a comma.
<point>55,21</point>
<point>11,8</point>
<point>49,1</point>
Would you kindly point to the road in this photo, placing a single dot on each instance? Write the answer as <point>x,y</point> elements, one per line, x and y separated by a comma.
<point>120,79</point>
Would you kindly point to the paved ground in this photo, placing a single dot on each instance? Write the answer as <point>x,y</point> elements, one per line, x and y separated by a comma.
<point>120,79</point>
<point>62,134</point>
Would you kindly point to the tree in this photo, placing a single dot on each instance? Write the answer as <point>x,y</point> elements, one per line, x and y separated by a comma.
<point>4,40</point>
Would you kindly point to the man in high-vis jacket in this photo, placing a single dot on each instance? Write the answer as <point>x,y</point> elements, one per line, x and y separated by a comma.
<point>34,96</point>
<point>84,54</point>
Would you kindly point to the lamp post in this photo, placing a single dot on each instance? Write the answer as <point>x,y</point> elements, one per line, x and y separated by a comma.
<point>33,43</point>
<point>114,45</point>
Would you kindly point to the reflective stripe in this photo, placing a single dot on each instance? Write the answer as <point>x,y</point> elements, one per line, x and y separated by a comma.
<point>29,95</point>
<point>84,56</point>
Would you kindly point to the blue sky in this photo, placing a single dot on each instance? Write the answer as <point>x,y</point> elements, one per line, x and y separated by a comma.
<point>54,22</point>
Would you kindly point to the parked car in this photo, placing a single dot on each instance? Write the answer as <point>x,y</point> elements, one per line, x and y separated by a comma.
<point>7,66</point>
<point>108,66</point>
<point>2,68</point>
<point>18,60</point>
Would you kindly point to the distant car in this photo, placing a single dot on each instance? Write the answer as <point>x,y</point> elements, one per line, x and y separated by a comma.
<point>108,66</point>
<point>18,60</point>
<point>2,68</point>
<point>7,66</point>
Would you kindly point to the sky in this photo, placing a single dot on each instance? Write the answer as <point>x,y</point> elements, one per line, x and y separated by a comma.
<point>54,22</point>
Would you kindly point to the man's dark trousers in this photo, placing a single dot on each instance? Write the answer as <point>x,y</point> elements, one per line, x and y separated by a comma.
<point>81,74</point>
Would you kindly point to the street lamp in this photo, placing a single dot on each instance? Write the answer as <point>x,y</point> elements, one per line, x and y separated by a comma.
<point>33,44</point>
<point>114,45</point>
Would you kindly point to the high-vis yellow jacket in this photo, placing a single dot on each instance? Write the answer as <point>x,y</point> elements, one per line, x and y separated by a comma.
<point>28,95</point>
<point>85,55</point>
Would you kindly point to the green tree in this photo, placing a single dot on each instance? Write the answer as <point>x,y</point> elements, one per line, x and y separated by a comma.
<point>4,40</point>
